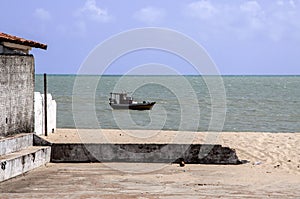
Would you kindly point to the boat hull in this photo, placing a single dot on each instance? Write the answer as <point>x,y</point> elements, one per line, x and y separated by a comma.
<point>138,106</point>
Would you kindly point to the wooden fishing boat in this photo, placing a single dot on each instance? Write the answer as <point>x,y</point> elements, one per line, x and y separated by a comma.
<point>123,101</point>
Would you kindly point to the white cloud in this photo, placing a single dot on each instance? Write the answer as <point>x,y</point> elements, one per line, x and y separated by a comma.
<point>201,9</point>
<point>280,2</point>
<point>251,7</point>
<point>292,3</point>
<point>93,12</point>
<point>246,20</point>
<point>42,14</point>
<point>253,14</point>
<point>150,15</point>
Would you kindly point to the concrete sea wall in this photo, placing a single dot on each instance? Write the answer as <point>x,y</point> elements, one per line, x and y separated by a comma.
<point>195,153</point>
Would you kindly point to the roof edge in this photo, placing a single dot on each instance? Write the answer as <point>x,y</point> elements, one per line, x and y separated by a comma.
<point>18,40</point>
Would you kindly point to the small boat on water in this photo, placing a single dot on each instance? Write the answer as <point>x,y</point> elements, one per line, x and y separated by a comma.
<point>123,101</point>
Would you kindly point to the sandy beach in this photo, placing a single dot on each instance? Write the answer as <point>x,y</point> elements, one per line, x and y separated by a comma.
<point>270,151</point>
<point>272,170</point>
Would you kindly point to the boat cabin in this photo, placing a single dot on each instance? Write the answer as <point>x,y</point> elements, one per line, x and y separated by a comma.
<point>120,98</point>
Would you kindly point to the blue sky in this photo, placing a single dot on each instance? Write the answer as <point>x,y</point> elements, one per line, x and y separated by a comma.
<point>242,37</point>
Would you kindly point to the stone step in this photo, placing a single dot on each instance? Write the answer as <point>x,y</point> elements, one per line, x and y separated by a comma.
<point>19,162</point>
<point>16,143</point>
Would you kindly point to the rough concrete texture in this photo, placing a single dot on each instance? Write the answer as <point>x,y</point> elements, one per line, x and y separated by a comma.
<point>16,94</point>
<point>194,154</point>
<point>38,141</point>
<point>18,155</point>
<point>19,162</point>
<point>104,180</point>
<point>39,120</point>
<point>92,145</point>
<point>15,143</point>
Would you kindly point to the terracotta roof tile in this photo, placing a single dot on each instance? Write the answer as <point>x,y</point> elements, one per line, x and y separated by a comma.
<point>18,40</point>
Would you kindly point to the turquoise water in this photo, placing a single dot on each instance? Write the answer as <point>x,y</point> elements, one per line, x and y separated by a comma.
<point>253,103</point>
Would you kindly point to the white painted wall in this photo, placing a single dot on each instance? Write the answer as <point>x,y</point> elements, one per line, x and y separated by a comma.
<point>39,123</point>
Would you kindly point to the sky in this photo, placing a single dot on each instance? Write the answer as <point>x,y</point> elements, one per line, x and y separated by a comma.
<point>242,37</point>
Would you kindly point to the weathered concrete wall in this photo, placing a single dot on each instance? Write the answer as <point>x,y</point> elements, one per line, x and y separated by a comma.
<point>195,153</point>
<point>39,121</point>
<point>22,161</point>
<point>18,155</point>
<point>16,94</point>
<point>15,143</point>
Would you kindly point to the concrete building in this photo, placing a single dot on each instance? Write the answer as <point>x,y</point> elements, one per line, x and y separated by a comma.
<point>16,84</point>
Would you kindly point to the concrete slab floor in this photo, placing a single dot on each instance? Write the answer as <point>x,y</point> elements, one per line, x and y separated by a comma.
<point>141,180</point>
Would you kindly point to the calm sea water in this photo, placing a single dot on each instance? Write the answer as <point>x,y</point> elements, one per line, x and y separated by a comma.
<point>253,103</point>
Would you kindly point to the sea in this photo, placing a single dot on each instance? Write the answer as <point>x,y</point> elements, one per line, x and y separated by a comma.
<point>185,103</point>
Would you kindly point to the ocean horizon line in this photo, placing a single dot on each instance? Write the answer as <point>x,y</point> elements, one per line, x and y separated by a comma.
<point>188,75</point>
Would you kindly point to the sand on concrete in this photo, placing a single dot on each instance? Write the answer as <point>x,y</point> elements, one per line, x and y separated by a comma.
<point>272,172</point>
<point>102,180</point>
